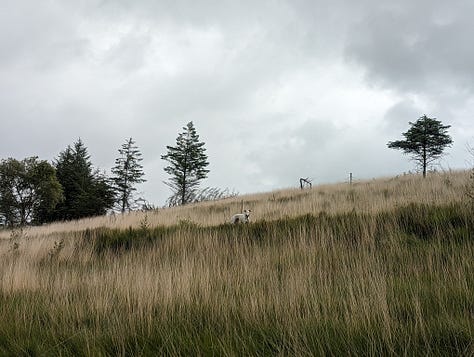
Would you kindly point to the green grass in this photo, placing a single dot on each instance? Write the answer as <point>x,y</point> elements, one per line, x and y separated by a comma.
<point>413,223</point>
<point>399,282</point>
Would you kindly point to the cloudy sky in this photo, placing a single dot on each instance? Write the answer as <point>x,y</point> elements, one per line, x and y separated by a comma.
<point>277,89</point>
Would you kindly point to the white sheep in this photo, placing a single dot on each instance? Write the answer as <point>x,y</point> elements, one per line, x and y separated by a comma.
<point>241,217</point>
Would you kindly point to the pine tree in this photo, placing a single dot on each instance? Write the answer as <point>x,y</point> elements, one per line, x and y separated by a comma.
<point>425,141</point>
<point>187,165</point>
<point>86,192</point>
<point>127,173</point>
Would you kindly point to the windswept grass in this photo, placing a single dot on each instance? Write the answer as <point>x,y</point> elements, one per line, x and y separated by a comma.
<point>369,196</point>
<point>394,278</point>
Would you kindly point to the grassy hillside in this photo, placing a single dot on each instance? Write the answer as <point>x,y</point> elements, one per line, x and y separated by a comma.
<point>379,267</point>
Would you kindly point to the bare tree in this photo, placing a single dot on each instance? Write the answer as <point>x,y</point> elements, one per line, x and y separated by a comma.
<point>305,182</point>
<point>206,194</point>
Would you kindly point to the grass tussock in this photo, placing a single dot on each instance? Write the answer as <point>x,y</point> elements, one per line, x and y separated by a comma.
<point>388,279</point>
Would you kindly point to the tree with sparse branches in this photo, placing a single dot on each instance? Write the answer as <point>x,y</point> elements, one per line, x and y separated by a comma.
<point>187,164</point>
<point>127,172</point>
<point>425,141</point>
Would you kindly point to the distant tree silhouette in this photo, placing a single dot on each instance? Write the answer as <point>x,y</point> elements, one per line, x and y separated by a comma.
<point>127,172</point>
<point>187,164</point>
<point>29,191</point>
<point>425,141</point>
<point>87,192</point>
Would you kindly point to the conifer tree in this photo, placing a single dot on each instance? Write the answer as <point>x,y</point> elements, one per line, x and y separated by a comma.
<point>425,141</point>
<point>127,173</point>
<point>187,165</point>
<point>86,192</point>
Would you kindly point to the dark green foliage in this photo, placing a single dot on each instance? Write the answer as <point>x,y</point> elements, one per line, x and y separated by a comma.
<point>29,190</point>
<point>425,141</point>
<point>187,166</point>
<point>101,195</point>
<point>127,172</point>
<point>87,192</point>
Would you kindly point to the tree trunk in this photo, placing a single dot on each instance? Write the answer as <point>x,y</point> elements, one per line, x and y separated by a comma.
<point>123,203</point>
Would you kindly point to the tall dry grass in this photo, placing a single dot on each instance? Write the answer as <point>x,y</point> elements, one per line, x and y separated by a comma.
<point>365,274</point>
<point>363,196</point>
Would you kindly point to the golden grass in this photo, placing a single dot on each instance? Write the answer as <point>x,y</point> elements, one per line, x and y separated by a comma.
<point>364,196</point>
<point>224,291</point>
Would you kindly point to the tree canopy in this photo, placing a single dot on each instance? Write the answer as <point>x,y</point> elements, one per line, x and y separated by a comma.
<point>187,165</point>
<point>127,172</point>
<point>29,190</point>
<point>425,141</point>
<point>87,192</point>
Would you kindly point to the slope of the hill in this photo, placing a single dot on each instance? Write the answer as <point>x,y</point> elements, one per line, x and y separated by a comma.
<point>381,267</point>
<point>363,197</point>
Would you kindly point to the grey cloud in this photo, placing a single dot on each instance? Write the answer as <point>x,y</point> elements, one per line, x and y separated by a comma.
<point>286,153</point>
<point>42,37</point>
<point>398,115</point>
<point>129,54</point>
<point>247,73</point>
<point>415,46</point>
<point>206,12</point>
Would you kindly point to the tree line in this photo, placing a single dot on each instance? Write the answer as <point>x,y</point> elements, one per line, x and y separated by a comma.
<point>34,191</point>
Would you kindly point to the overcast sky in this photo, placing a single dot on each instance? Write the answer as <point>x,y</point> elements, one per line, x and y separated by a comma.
<point>277,90</point>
